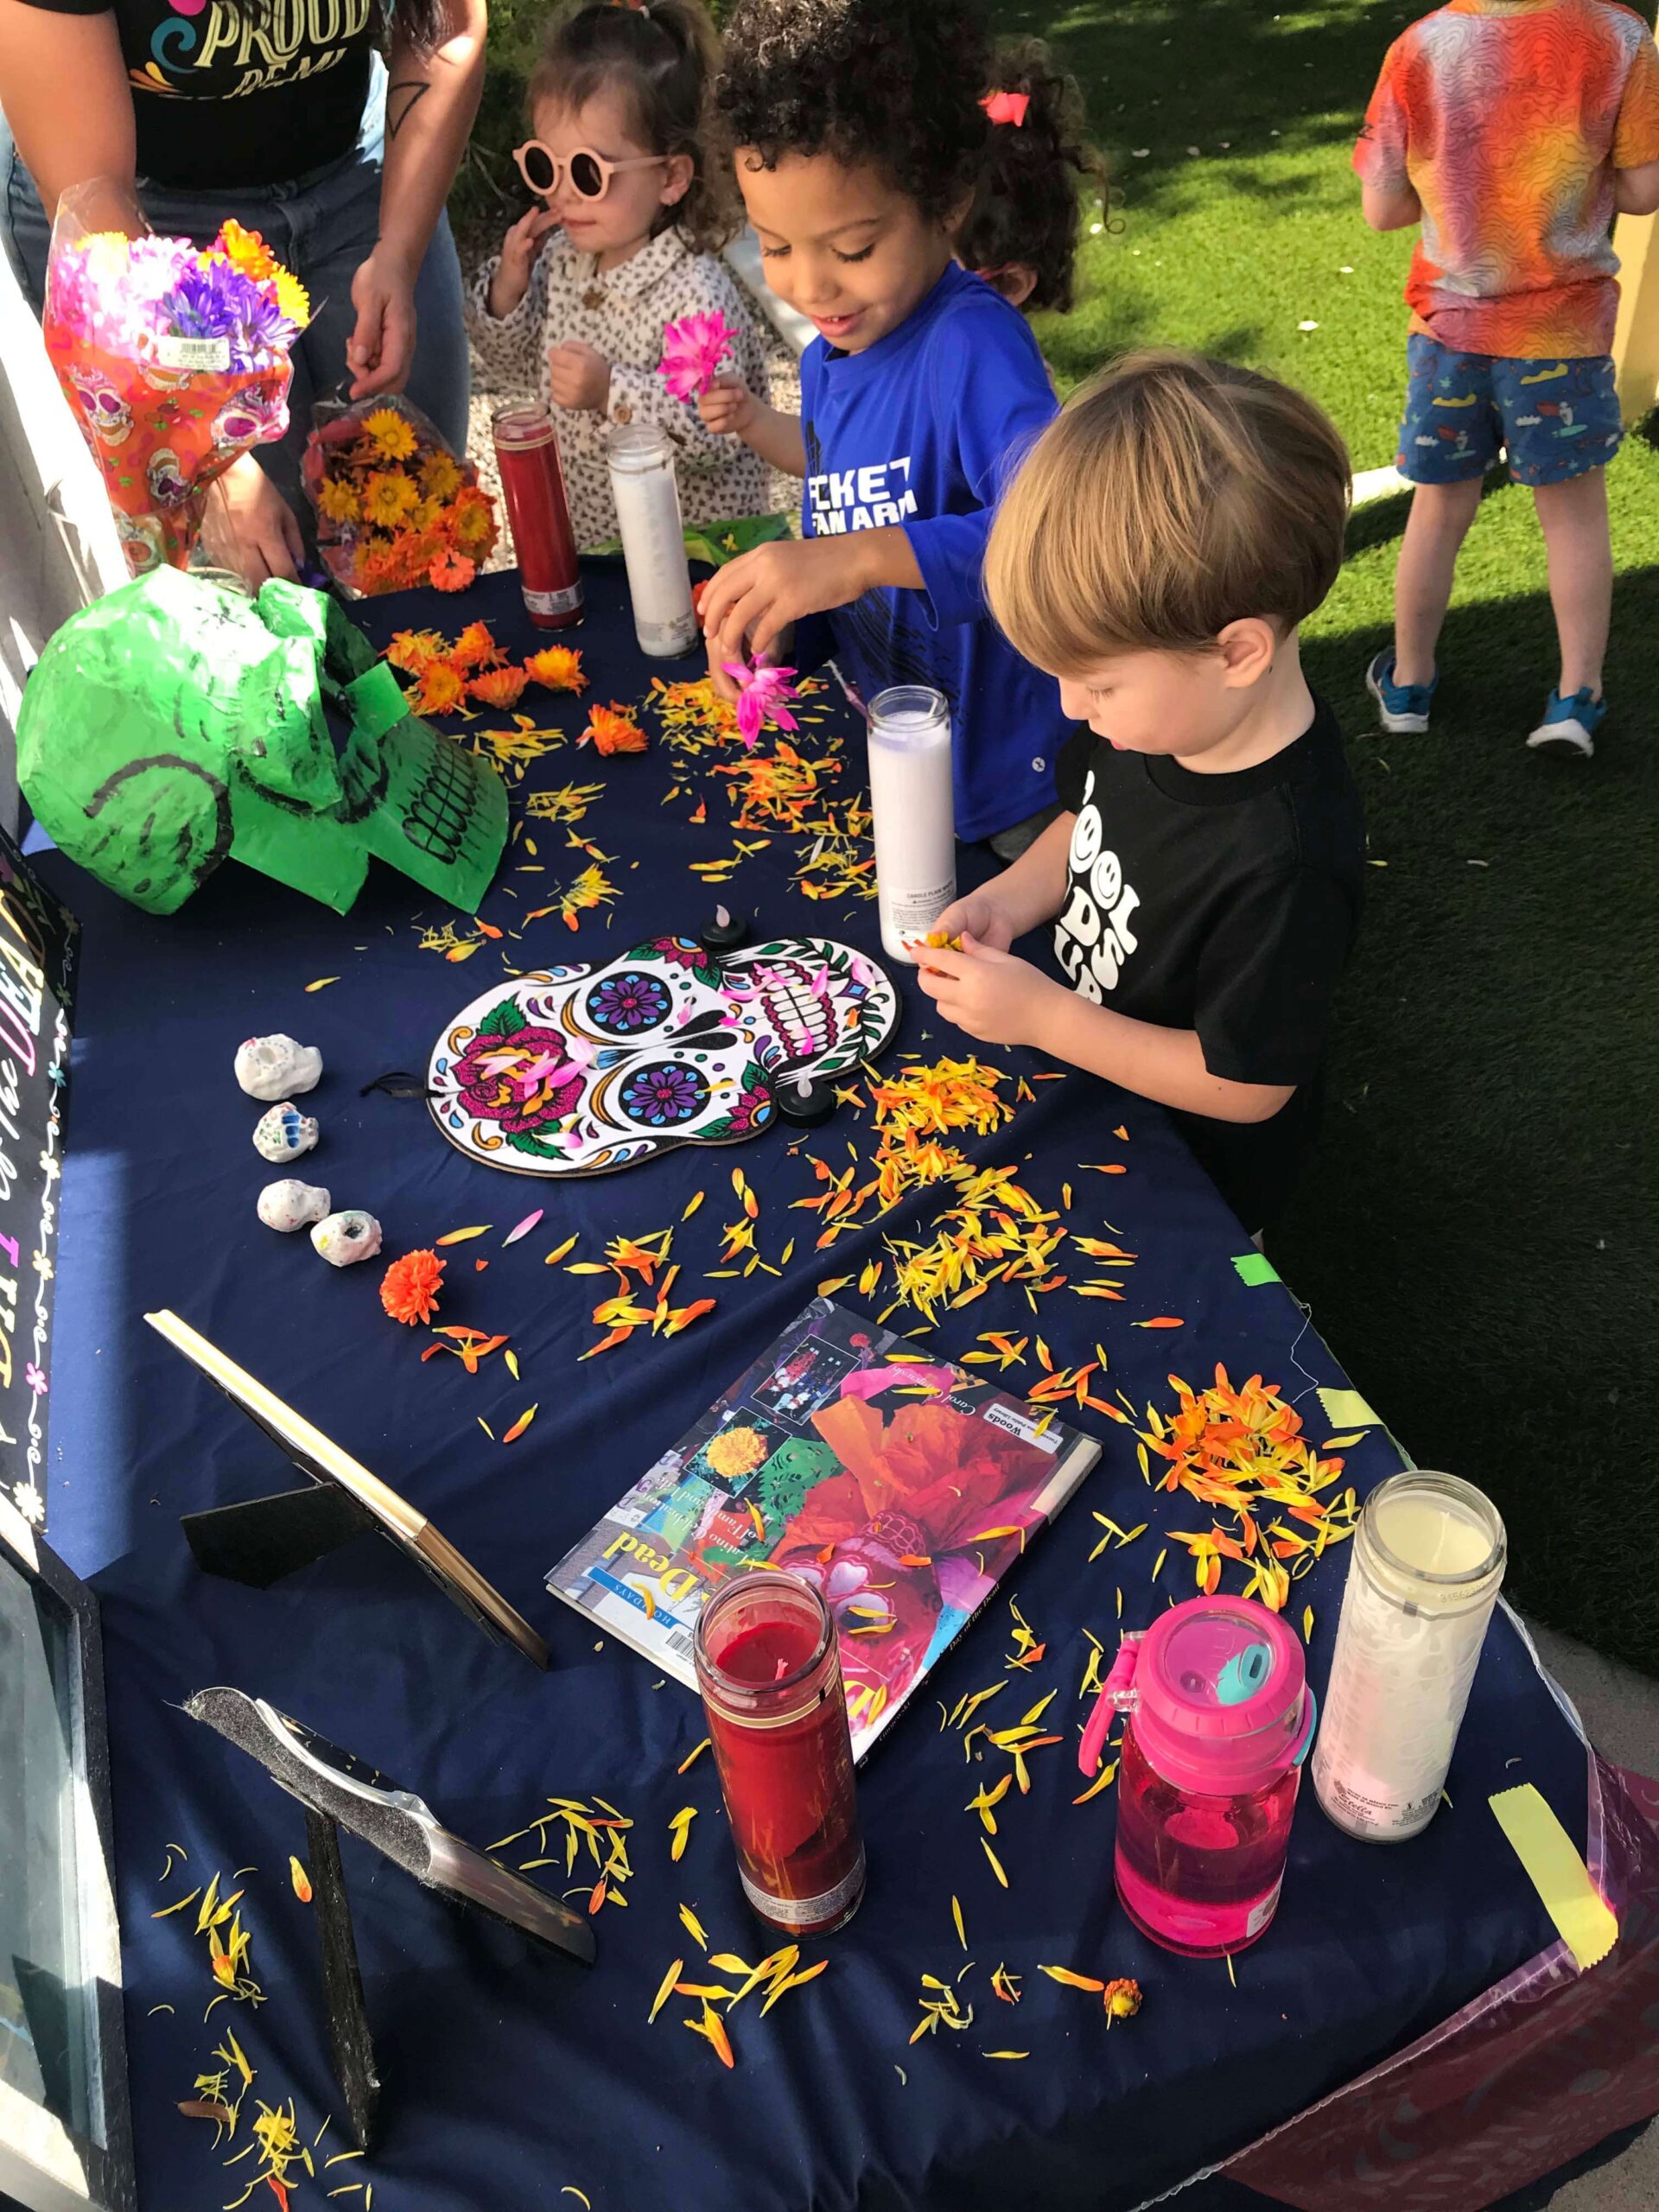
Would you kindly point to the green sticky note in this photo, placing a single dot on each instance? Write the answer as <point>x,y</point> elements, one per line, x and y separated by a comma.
<point>1583,1920</point>
<point>1347,1410</point>
<point>1256,1268</point>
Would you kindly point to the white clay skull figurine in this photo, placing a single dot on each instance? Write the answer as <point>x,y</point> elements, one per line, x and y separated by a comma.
<point>289,1205</point>
<point>285,1133</point>
<point>277,1067</point>
<point>346,1236</point>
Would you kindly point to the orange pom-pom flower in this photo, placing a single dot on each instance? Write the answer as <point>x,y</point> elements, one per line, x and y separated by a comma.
<point>410,1286</point>
<point>452,571</point>
<point>556,668</point>
<point>613,730</point>
<point>499,687</point>
<point>476,648</point>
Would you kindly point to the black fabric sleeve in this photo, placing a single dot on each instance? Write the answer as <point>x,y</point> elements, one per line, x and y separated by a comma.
<point>1071,768</point>
<point>1267,975</point>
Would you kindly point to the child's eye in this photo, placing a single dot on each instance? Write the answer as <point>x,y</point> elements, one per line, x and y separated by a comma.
<point>773,253</point>
<point>862,255</point>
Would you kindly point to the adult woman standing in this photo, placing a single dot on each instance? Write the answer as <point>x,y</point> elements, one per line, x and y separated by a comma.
<point>281,114</point>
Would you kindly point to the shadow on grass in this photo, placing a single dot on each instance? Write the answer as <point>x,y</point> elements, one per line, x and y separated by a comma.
<point>1477,1233</point>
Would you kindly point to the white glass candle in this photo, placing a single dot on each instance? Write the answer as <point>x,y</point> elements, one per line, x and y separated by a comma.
<point>914,817</point>
<point>647,499</point>
<point>1429,1557</point>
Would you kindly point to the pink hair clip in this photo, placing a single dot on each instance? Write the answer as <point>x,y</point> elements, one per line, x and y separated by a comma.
<point>1007,107</point>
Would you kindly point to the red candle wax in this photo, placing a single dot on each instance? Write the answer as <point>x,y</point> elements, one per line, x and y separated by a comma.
<point>532,483</point>
<point>769,1669</point>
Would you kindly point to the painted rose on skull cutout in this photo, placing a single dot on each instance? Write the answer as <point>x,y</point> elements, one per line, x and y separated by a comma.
<point>519,1081</point>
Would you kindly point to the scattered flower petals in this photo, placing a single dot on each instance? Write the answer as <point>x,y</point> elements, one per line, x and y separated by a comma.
<point>322,983</point>
<point>461,1235</point>
<point>680,1829</point>
<point>693,1927</point>
<point>301,1879</point>
<point>691,1757</point>
<point>519,1427</point>
<point>523,1227</point>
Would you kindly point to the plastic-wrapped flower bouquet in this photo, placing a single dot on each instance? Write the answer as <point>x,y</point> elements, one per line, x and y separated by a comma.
<point>394,506</point>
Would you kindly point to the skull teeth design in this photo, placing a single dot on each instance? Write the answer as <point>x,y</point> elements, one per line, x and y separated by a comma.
<point>802,1022</point>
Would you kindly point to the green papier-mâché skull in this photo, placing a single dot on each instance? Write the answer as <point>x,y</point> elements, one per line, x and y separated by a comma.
<point>175,724</point>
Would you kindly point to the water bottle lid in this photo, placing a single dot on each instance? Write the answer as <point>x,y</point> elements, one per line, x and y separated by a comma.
<point>1222,1696</point>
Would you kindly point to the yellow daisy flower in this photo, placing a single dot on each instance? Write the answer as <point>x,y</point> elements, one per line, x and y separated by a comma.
<point>471,523</point>
<point>387,499</point>
<point>338,500</point>
<point>440,475</point>
<point>292,297</point>
<point>390,433</point>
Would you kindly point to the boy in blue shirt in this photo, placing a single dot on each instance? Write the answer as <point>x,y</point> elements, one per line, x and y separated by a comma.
<point>858,134</point>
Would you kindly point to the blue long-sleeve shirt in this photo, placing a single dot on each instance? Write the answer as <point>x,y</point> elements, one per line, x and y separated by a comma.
<point>920,432</point>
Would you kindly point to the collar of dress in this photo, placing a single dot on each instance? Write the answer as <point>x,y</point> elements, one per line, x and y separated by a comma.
<point>634,277</point>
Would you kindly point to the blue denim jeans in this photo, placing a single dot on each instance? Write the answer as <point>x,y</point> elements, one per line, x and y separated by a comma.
<point>321,226</point>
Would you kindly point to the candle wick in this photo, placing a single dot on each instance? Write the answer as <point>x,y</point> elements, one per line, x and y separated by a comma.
<point>722,919</point>
<point>803,1088</point>
<point>783,1669</point>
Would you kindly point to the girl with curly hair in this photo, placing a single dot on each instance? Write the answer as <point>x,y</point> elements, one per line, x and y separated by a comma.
<point>1021,234</point>
<point>859,138</point>
<point>632,211</point>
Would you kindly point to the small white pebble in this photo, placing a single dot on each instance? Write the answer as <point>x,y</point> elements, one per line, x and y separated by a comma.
<point>1226,145</point>
<point>1139,153</point>
<point>1273,133</point>
<point>1344,270</point>
<point>1307,325</point>
<point>1193,151</point>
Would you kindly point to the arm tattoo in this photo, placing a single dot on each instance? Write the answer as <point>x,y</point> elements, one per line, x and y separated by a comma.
<point>397,117</point>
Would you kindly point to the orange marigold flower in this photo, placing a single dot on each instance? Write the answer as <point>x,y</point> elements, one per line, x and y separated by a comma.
<point>613,730</point>
<point>476,648</point>
<point>1121,1999</point>
<point>246,250</point>
<point>452,571</point>
<point>499,687</point>
<point>440,691</point>
<point>410,1286</point>
<point>557,668</point>
<point>414,650</point>
<point>472,520</point>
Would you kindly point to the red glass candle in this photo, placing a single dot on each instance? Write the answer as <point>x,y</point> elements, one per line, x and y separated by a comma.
<point>769,1669</point>
<point>532,483</point>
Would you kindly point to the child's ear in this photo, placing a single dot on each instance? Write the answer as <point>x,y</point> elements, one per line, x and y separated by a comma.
<point>1248,649</point>
<point>677,181</point>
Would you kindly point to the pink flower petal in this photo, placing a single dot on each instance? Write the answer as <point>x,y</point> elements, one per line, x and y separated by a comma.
<point>523,1227</point>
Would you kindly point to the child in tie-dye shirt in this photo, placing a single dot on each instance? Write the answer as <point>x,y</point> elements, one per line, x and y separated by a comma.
<point>1513,131</point>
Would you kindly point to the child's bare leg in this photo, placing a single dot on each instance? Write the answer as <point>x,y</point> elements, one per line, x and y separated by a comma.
<point>1573,518</point>
<point>1435,529</point>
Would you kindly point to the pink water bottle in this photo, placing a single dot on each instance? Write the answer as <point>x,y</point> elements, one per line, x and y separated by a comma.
<point>1220,1720</point>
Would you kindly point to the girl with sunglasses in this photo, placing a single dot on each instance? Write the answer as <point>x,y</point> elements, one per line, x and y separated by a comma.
<point>624,241</point>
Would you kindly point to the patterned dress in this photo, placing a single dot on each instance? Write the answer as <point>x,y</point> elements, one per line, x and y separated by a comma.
<point>1508,117</point>
<point>621,312</point>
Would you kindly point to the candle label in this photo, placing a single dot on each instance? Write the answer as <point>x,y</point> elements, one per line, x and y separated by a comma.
<point>554,603</point>
<point>808,1912</point>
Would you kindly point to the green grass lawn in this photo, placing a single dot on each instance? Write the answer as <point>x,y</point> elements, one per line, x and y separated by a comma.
<point>1477,1236</point>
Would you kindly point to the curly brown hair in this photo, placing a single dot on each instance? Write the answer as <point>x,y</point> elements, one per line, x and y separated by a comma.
<point>893,85</point>
<point>1025,205</point>
<point>663,56</point>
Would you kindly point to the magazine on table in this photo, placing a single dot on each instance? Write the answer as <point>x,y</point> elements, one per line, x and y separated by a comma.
<point>903,1486</point>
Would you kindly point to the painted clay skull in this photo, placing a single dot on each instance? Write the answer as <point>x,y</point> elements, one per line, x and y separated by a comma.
<point>578,1069</point>
<point>285,1133</point>
<point>275,1067</point>
<point>289,1205</point>
<point>346,1236</point>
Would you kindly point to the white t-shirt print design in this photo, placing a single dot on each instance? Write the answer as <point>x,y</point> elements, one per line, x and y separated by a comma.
<point>1092,938</point>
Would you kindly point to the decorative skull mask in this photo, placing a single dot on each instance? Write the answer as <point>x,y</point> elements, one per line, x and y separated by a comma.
<point>285,1133</point>
<point>346,1236</point>
<point>175,723</point>
<point>289,1205</point>
<point>576,1071</point>
<point>271,1067</point>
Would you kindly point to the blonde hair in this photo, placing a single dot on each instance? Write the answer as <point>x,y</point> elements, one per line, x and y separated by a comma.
<point>1171,496</point>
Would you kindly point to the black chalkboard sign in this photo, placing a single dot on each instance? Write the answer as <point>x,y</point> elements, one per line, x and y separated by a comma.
<point>38,942</point>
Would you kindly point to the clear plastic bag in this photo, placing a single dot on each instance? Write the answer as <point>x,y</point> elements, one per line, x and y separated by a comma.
<point>395,505</point>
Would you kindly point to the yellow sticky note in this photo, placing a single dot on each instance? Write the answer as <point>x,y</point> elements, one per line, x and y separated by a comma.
<point>1347,1410</point>
<point>1584,1920</point>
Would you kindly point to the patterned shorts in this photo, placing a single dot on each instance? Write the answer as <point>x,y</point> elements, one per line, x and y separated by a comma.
<point>1554,419</point>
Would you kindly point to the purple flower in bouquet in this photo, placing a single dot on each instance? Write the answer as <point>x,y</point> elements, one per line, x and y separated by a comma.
<point>693,350</point>
<point>765,696</point>
<point>213,299</point>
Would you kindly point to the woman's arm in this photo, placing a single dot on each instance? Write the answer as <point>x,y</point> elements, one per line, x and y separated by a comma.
<point>431,103</point>
<point>64,141</point>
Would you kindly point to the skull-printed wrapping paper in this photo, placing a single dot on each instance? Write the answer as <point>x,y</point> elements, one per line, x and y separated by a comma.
<point>175,724</point>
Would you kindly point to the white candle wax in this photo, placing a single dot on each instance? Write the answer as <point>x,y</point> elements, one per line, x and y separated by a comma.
<point>1424,1575</point>
<point>913,817</point>
<point>653,543</point>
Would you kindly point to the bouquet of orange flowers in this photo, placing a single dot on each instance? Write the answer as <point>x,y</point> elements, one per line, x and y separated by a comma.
<point>394,506</point>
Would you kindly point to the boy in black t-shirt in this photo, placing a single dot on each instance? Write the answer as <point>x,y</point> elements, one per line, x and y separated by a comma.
<point>1156,553</point>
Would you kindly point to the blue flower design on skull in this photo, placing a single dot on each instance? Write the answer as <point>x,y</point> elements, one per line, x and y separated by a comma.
<point>631,1001</point>
<point>664,1095</point>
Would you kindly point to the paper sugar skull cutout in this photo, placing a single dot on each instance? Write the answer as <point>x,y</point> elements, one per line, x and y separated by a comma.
<point>274,1067</point>
<point>285,1133</point>
<point>289,1205</point>
<point>175,724</point>
<point>345,1237</point>
<point>577,1070</point>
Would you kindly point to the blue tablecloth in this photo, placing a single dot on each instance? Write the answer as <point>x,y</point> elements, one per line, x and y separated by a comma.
<point>510,2075</point>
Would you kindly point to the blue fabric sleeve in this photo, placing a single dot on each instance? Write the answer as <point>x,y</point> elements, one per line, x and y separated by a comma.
<point>991,391</point>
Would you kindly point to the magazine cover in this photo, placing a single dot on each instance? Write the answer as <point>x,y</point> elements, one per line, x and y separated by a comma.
<point>905,1488</point>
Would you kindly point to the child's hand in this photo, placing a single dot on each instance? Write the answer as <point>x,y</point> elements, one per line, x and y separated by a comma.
<point>579,377</point>
<point>752,600</point>
<point>989,993</point>
<point>518,251</point>
<point>976,915</point>
<point>728,687</point>
<point>727,410</point>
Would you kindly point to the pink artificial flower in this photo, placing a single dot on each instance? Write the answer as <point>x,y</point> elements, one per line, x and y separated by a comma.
<point>693,350</point>
<point>766,696</point>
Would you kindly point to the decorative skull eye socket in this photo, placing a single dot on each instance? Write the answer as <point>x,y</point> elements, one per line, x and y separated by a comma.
<point>627,1004</point>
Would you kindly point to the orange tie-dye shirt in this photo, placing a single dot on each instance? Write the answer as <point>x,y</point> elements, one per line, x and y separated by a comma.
<point>1507,118</point>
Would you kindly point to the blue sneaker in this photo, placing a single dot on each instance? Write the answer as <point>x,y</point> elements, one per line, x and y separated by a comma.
<point>1569,726</point>
<point>1402,707</point>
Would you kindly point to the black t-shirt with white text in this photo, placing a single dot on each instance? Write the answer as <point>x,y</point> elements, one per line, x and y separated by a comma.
<point>1224,904</point>
<point>226,94</point>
